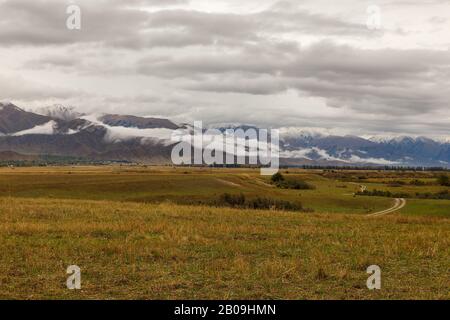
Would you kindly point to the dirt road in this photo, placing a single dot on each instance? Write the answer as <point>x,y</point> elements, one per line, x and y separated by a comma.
<point>399,204</point>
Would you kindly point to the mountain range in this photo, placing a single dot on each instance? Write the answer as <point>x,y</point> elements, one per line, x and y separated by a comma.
<point>62,131</point>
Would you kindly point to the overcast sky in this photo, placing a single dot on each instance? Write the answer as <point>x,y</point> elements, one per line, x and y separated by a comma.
<point>302,63</point>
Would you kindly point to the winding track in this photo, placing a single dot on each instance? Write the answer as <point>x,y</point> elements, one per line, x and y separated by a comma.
<point>399,204</point>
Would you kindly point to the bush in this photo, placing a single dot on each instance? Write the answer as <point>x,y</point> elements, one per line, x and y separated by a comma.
<point>419,183</point>
<point>442,195</point>
<point>240,201</point>
<point>266,203</point>
<point>279,180</point>
<point>444,180</point>
<point>295,185</point>
<point>232,200</point>
<point>277,177</point>
<point>381,193</point>
<point>396,184</point>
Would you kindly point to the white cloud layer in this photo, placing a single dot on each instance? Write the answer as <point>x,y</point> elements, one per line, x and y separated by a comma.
<point>46,128</point>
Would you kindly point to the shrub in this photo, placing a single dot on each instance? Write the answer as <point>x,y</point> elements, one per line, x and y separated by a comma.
<point>232,200</point>
<point>266,203</point>
<point>282,183</point>
<point>277,177</point>
<point>441,195</point>
<point>381,193</point>
<point>240,201</point>
<point>444,180</point>
<point>396,184</point>
<point>419,183</point>
<point>295,185</point>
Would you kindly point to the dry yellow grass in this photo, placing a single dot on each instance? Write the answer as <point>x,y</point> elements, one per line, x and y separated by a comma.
<point>147,251</point>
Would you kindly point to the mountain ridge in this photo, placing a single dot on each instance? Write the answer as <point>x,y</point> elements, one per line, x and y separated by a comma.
<point>62,131</point>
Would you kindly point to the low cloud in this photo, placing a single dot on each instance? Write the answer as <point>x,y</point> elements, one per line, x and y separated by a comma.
<point>48,128</point>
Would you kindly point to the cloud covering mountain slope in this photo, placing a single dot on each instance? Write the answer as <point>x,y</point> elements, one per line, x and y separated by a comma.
<point>149,140</point>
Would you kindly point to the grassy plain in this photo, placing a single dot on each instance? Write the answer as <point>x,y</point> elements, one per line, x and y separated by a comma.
<point>178,185</point>
<point>140,233</point>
